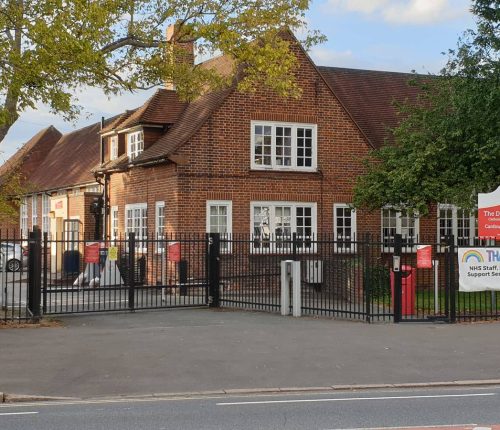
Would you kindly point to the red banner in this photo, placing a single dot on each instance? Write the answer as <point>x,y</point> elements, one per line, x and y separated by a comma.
<point>91,254</point>
<point>424,257</point>
<point>488,215</point>
<point>174,252</point>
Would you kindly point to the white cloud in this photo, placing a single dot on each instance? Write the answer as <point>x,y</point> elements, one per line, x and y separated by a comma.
<point>405,11</point>
<point>329,57</point>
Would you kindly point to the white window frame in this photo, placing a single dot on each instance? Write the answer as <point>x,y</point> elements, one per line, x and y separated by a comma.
<point>93,188</point>
<point>293,166</point>
<point>72,237</point>
<point>113,147</point>
<point>114,223</point>
<point>135,144</point>
<point>23,214</point>
<point>454,227</point>
<point>274,244</point>
<point>34,210</point>
<point>141,240</point>
<point>45,214</point>
<point>225,247</point>
<point>339,245</point>
<point>405,248</point>
<point>160,227</point>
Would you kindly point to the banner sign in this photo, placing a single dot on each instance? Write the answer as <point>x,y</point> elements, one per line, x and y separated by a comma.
<point>424,257</point>
<point>479,269</point>
<point>488,214</point>
<point>174,252</point>
<point>113,253</point>
<point>91,254</point>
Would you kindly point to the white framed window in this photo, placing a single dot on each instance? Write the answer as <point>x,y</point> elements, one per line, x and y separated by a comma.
<point>135,144</point>
<point>114,223</point>
<point>399,222</point>
<point>160,226</point>
<point>34,210</point>
<point>274,223</point>
<point>219,215</point>
<point>93,188</point>
<point>460,223</point>
<point>113,147</point>
<point>45,214</point>
<point>136,221</point>
<point>284,146</point>
<point>72,233</point>
<point>23,213</point>
<point>344,224</point>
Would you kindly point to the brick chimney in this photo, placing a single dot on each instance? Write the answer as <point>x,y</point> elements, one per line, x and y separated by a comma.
<point>184,50</point>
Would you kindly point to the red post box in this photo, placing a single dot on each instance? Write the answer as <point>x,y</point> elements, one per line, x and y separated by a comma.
<point>408,287</point>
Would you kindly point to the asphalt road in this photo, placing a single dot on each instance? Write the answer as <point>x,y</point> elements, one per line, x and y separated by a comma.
<point>462,409</point>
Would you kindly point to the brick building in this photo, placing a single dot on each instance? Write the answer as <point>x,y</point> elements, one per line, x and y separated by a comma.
<point>238,163</point>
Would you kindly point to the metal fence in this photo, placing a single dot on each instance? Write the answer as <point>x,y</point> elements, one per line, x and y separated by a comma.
<point>352,279</point>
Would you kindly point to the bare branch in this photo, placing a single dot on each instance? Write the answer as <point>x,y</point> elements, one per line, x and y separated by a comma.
<point>129,41</point>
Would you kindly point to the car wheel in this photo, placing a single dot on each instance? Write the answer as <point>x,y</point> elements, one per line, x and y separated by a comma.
<point>13,265</point>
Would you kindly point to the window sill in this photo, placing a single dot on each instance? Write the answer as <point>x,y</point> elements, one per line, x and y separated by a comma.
<point>284,169</point>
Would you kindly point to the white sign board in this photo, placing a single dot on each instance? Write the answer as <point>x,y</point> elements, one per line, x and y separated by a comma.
<point>479,269</point>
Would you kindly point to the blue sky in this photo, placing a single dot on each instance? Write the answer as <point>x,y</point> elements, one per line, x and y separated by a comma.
<point>395,35</point>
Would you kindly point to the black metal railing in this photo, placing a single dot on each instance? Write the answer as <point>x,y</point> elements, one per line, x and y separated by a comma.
<point>365,278</point>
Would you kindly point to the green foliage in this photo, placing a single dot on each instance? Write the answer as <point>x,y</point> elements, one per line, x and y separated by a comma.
<point>51,48</point>
<point>447,146</point>
<point>11,189</point>
<point>378,278</point>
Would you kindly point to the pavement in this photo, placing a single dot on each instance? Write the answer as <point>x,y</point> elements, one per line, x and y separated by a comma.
<point>202,350</point>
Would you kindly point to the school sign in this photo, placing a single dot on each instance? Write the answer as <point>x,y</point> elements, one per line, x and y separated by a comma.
<point>479,269</point>
<point>488,209</point>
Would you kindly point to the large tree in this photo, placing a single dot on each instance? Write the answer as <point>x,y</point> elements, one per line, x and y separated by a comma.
<point>447,146</point>
<point>50,48</point>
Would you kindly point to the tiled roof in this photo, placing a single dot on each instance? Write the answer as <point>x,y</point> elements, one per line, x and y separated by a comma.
<point>27,158</point>
<point>113,125</point>
<point>195,115</point>
<point>118,163</point>
<point>369,97</point>
<point>163,107</point>
<point>71,160</point>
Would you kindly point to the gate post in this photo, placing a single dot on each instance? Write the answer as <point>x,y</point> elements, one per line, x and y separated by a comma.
<point>45,248</point>
<point>450,262</point>
<point>214,270</point>
<point>398,241</point>
<point>131,271</point>
<point>367,276</point>
<point>34,273</point>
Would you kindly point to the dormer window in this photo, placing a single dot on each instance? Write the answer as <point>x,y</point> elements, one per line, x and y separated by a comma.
<point>113,144</point>
<point>135,144</point>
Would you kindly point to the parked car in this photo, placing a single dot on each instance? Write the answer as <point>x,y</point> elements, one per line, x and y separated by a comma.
<point>15,256</point>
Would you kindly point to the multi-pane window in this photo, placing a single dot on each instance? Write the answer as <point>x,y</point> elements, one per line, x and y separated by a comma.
<point>113,147</point>
<point>136,219</point>
<point>23,210</point>
<point>114,223</point>
<point>345,227</point>
<point>72,234</point>
<point>274,223</point>
<point>34,210</point>
<point>458,222</point>
<point>160,225</point>
<point>395,222</point>
<point>45,214</point>
<point>93,189</point>
<point>219,220</point>
<point>135,144</point>
<point>283,146</point>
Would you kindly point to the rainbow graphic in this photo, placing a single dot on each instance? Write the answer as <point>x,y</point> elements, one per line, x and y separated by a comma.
<point>472,255</point>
